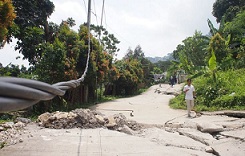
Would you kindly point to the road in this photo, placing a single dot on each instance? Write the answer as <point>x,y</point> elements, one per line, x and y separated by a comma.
<point>205,135</point>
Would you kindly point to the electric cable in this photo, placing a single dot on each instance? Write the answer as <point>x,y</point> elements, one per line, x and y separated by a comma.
<point>85,6</point>
<point>95,14</point>
<point>20,93</point>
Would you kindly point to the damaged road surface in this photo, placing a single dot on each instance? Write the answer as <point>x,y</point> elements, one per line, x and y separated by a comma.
<point>108,130</point>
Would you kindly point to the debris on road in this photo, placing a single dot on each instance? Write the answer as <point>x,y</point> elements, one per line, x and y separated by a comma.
<point>86,118</point>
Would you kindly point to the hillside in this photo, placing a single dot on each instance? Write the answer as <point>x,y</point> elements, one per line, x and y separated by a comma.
<point>165,58</point>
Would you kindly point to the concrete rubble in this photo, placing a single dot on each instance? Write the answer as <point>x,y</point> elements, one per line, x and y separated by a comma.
<point>11,132</point>
<point>86,118</point>
<point>215,137</point>
<point>223,135</point>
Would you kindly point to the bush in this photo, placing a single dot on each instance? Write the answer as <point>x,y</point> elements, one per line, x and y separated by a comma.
<point>226,92</point>
<point>178,102</point>
<point>229,101</point>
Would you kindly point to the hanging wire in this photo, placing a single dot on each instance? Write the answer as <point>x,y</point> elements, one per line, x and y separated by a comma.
<point>85,6</point>
<point>95,14</point>
<point>20,93</point>
<point>103,10</point>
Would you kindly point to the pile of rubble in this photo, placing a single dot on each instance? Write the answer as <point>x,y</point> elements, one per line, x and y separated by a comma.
<point>11,132</point>
<point>86,118</point>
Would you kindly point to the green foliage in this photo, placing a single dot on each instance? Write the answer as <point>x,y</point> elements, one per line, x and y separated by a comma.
<point>227,9</point>
<point>157,70</point>
<point>212,65</point>
<point>50,68</point>
<point>29,44</point>
<point>70,39</point>
<point>178,102</point>
<point>32,13</point>
<point>31,27</point>
<point>163,65</point>
<point>235,30</point>
<point>228,92</point>
<point>135,72</point>
<point>108,41</point>
<point>147,68</point>
<point>191,54</point>
<point>131,74</point>
<point>7,16</point>
<point>213,30</point>
<point>229,101</point>
<point>217,46</point>
<point>15,71</point>
<point>227,83</point>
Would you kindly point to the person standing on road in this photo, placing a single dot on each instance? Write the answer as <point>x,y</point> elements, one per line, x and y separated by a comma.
<point>190,95</point>
<point>171,81</point>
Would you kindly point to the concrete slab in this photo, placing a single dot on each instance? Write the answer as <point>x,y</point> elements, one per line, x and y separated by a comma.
<point>229,147</point>
<point>91,142</point>
<point>238,134</point>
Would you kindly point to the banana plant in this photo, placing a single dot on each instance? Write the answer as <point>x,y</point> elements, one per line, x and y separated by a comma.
<point>213,64</point>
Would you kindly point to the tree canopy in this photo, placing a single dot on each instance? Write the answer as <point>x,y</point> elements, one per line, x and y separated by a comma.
<point>7,16</point>
<point>227,8</point>
<point>31,27</point>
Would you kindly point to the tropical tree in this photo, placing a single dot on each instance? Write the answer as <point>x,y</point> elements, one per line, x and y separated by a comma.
<point>15,71</point>
<point>235,30</point>
<point>195,49</point>
<point>100,69</point>
<point>51,67</point>
<point>163,65</point>
<point>227,9</point>
<point>32,13</point>
<point>129,54</point>
<point>108,41</point>
<point>7,16</point>
<point>147,66</point>
<point>70,39</point>
<point>157,70</point>
<point>138,53</point>
<point>217,45</point>
<point>31,27</point>
<point>190,56</point>
<point>131,74</point>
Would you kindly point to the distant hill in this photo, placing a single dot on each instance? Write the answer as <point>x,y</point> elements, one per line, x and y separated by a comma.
<point>165,58</point>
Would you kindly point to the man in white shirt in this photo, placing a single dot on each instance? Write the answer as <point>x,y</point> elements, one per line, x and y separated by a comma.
<point>190,94</point>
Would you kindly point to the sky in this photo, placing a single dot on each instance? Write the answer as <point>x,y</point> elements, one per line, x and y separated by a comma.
<point>158,26</point>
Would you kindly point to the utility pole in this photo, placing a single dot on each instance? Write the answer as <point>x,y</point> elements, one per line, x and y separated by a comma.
<point>88,22</point>
<point>102,12</point>
<point>88,25</point>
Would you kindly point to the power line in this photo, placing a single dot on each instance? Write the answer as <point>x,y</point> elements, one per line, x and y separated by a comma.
<point>119,35</point>
<point>102,12</point>
<point>85,7</point>
<point>95,14</point>
<point>106,25</point>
